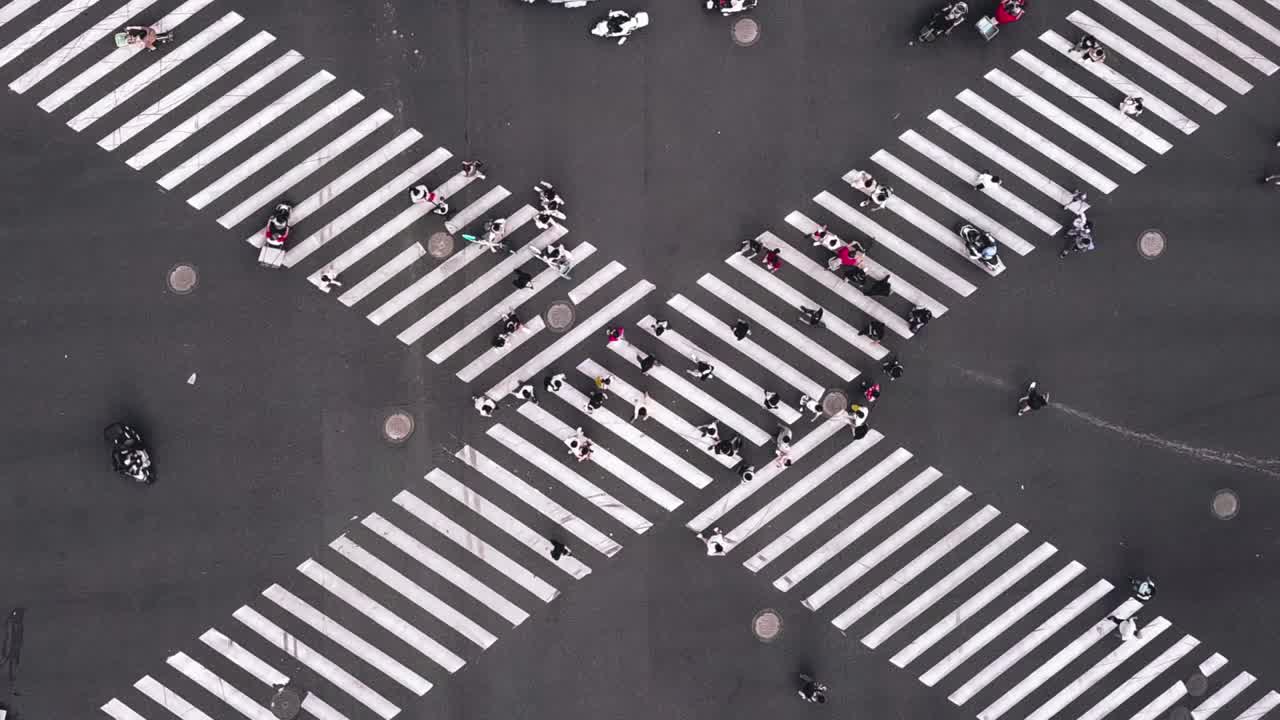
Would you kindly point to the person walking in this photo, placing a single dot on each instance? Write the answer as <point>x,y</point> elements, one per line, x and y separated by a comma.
<point>771,400</point>
<point>751,248</point>
<point>1144,588</point>
<point>1126,628</point>
<point>811,690</point>
<point>1132,106</point>
<point>527,392</point>
<point>616,334</point>
<point>710,431</point>
<point>811,405</point>
<point>722,447</point>
<point>647,363</point>
<point>870,390</point>
<point>421,194</point>
<point>918,317</point>
<point>484,405</point>
<point>329,280</point>
<point>741,329</point>
<point>553,383</point>
<point>603,382</point>
<point>523,280</point>
<point>985,178</point>
<point>702,370</point>
<point>879,288</point>
<point>716,544</point>
<point>1090,49</point>
<point>811,316</point>
<point>892,367</point>
<point>640,408</point>
<point>1033,400</point>
<point>579,445</point>
<point>659,327</point>
<point>873,330</point>
<point>473,169</point>
<point>596,400</point>
<point>559,550</point>
<point>746,472</point>
<point>773,260</point>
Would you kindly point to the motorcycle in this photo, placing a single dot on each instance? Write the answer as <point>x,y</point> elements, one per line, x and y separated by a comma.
<point>982,249</point>
<point>272,253</point>
<point>620,24</point>
<point>129,455</point>
<point>943,22</point>
<point>729,7</point>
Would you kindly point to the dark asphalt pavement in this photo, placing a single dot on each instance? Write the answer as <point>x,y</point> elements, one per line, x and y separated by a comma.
<point>670,150</point>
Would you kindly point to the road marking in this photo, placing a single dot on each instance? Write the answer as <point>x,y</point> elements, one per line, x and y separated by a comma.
<point>320,709</point>
<point>479,207</point>
<point>1176,45</point>
<point>1248,19</point>
<point>385,272</point>
<point>490,357</point>
<point>926,224</point>
<point>1165,700</point>
<point>1141,679</point>
<point>1224,695</point>
<point>1264,705</point>
<point>120,711</point>
<point>247,661</point>
<point>999,156</point>
<point>14,8</point>
<point>169,700</point>
<point>1200,24</point>
<point>44,29</point>
<point>85,40</point>
<point>598,279</point>
<point>219,688</point>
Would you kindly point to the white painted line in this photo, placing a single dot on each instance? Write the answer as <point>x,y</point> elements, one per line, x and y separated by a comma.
<point>635,438</point>
<point>583,487</point>
<point>375,239</point>
<point>847,577</point>
<point>602,457</point>
<point>530,496</point>
<point>120,711</point>
<point>395,187</point>
<point>828,509</point>
<point>32,37</point>
<point>837,285</point>
<point>887,240</point>
<point>1141,679</point>
<point>348,640</point>
<point>1001,157</point>
<point>925,600</point>
<point>475,210</point>
<point>319,709</point>
<point>1177,45</point>
<point>115,58</point>
<point>1200,24</point>
<point>856,529</point>
<point>1030,641</point>
<point>244,130</point>
<point>275,149</point>
<point>598,279</point>
<point>829,467</point>
<point>510,303</point>
<point>725,374</point>
<point>749,348</point>
<point>219,688</point>
<point>170,60</point>
<point>1212,664</point>
<point>378,613</point>
<point>571,339</point>
<point>951,201</point>
<point>1224,695</point>
<point>912,569</point>
<point>1060,659</point>
<point>385,272</point>
<point>185,91</point>
<point>687,390</point>
<point>1119,45</point>
<point>796,299</point>
<point>1099,670</point>
<point>490,357</point>
<point>1124,85</point>
<point>1162,702</point>
<point>1001,622</point>
<point>438,564</point>
<point>418,595</point>
<point>765,475</point>
<point>168,699</point>
<point>1264,705</point>
<point>213,110</point>
<point>85,40</point>
<point>973,605</point>
<point>14,8</point>
<point>459,301</point>
<point>464,539</point>
<point>325,668</point>
<point>926,224</point>
<point>1243,16</point>
<point>247,661</point>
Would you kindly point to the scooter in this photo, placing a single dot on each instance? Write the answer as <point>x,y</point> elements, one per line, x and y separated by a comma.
<point>129,455</point>
<point>982,249</point>
<point>272,253</point>
<point>729,7</point>
<point>620,24</point>
<point>943,22</point>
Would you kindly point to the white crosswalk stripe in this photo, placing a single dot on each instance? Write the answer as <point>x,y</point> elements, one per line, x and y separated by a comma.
<point>1200,24</point>
<point>1255,23</point>
<point>169,700</point>
<point>85,40</point>
<point>265,673</point>
<point>44,29</point>
<point>1224,695</point>
<point>120,711</point>
<point>14,8</point>
<point>598,279</point>
<point>1001,157</point>
<point>1141,678</point>
<point>488,359</point>
<point>219,687</point>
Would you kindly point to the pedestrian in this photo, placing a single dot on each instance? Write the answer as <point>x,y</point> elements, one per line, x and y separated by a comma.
<point>746,472</point>
<point>548,198</point>
<point>603,381</point>
<point>783,439</point>
<point>811,316</point>
<point>703,370</point>
<point>544,219</point>
<point>595,400</point>
<point>640,408</point>
<point>918,317</point>
<point>879,288</point>
<point>1010,11</point>
<point>527,392</point>
<point>722,447</point>
<point>1132,105</point>
<point>985,178</point>
<point>812,690</point>
<point>421,194</point>
<point>1033,400</point>
<point>1144,588</point>
<point>736,444</point>
<point>1126,628</point>
<point>523,280</point>
<point>1090,49</point>
<point>553,383</point>
<point>858,415</point>
<point>659,327</point>
<point>811,405</point>
<point>741,329</point>
<point>559,550</point>
<point>578,444</point>
<point>892,367</point>
<point>771,400</point>
<point>616,334</point>
<point>647,363</point>
<point>328,280</point>
<point>1271,179</point>
<point>751,248</point>
<point>511,323</point>
<point>773,260</point>
<point>855,276</point>
<point>473,169</point>
<point>824,237</point>
<point>873,330</point>
<point>484,405</point>
<point>716,544</point>
<point>870,390</point>
<point>877,198</point>
<point>499,341</point>
<point>710,431</point>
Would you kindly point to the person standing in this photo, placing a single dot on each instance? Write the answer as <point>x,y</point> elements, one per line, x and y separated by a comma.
<point>1033,400</point>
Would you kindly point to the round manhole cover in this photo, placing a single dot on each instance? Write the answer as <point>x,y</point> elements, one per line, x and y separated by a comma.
<point>1180,713</point>
<point>560,315</point>
<point>767,625</point>
<point>440,245</point>
<point>183,278</point>
<point>1197,685</point>
<point>1151,244</point>
<point>746,32</point>
<point>1225,504</point>
<point>286,704</point>
<point>398,426</point>
<point>835,402</point>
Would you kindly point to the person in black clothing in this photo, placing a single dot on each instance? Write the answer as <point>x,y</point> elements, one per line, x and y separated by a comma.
<point>771,400</point>
<point>523,280</point>
<point>553,383</point>
<point>892,367</point>
<point>879,287</point>
<point>559,550</point>
<point>918,318</point>
<point>812,690</point>
<point>1033,400</point>
<point>596,400</point>
<point>647,363</point>
<point>751,248</point>
<point>874,330</point>
<point>811,316</point>
<point>741,329</point>
<point>511,323</point>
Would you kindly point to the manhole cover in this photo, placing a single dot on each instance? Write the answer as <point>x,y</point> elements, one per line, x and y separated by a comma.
<point>1179,713</point>
<point>440,245</point>
<point>1197,685</point>
<point>1151,244</point>
<point>1225,504</point>
<point>183,278</point>
<point>559,316</point>
<point>398,426</point>
<point>746,32</point>
<point>767,625</point>
<point>286,704</point>
<point>835,402</point>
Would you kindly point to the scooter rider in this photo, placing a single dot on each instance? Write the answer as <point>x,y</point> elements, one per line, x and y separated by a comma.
<point>981,245</point>
<point>278,224</point>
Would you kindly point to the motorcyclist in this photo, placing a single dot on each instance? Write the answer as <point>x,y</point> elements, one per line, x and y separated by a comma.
<point>981,245</point>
